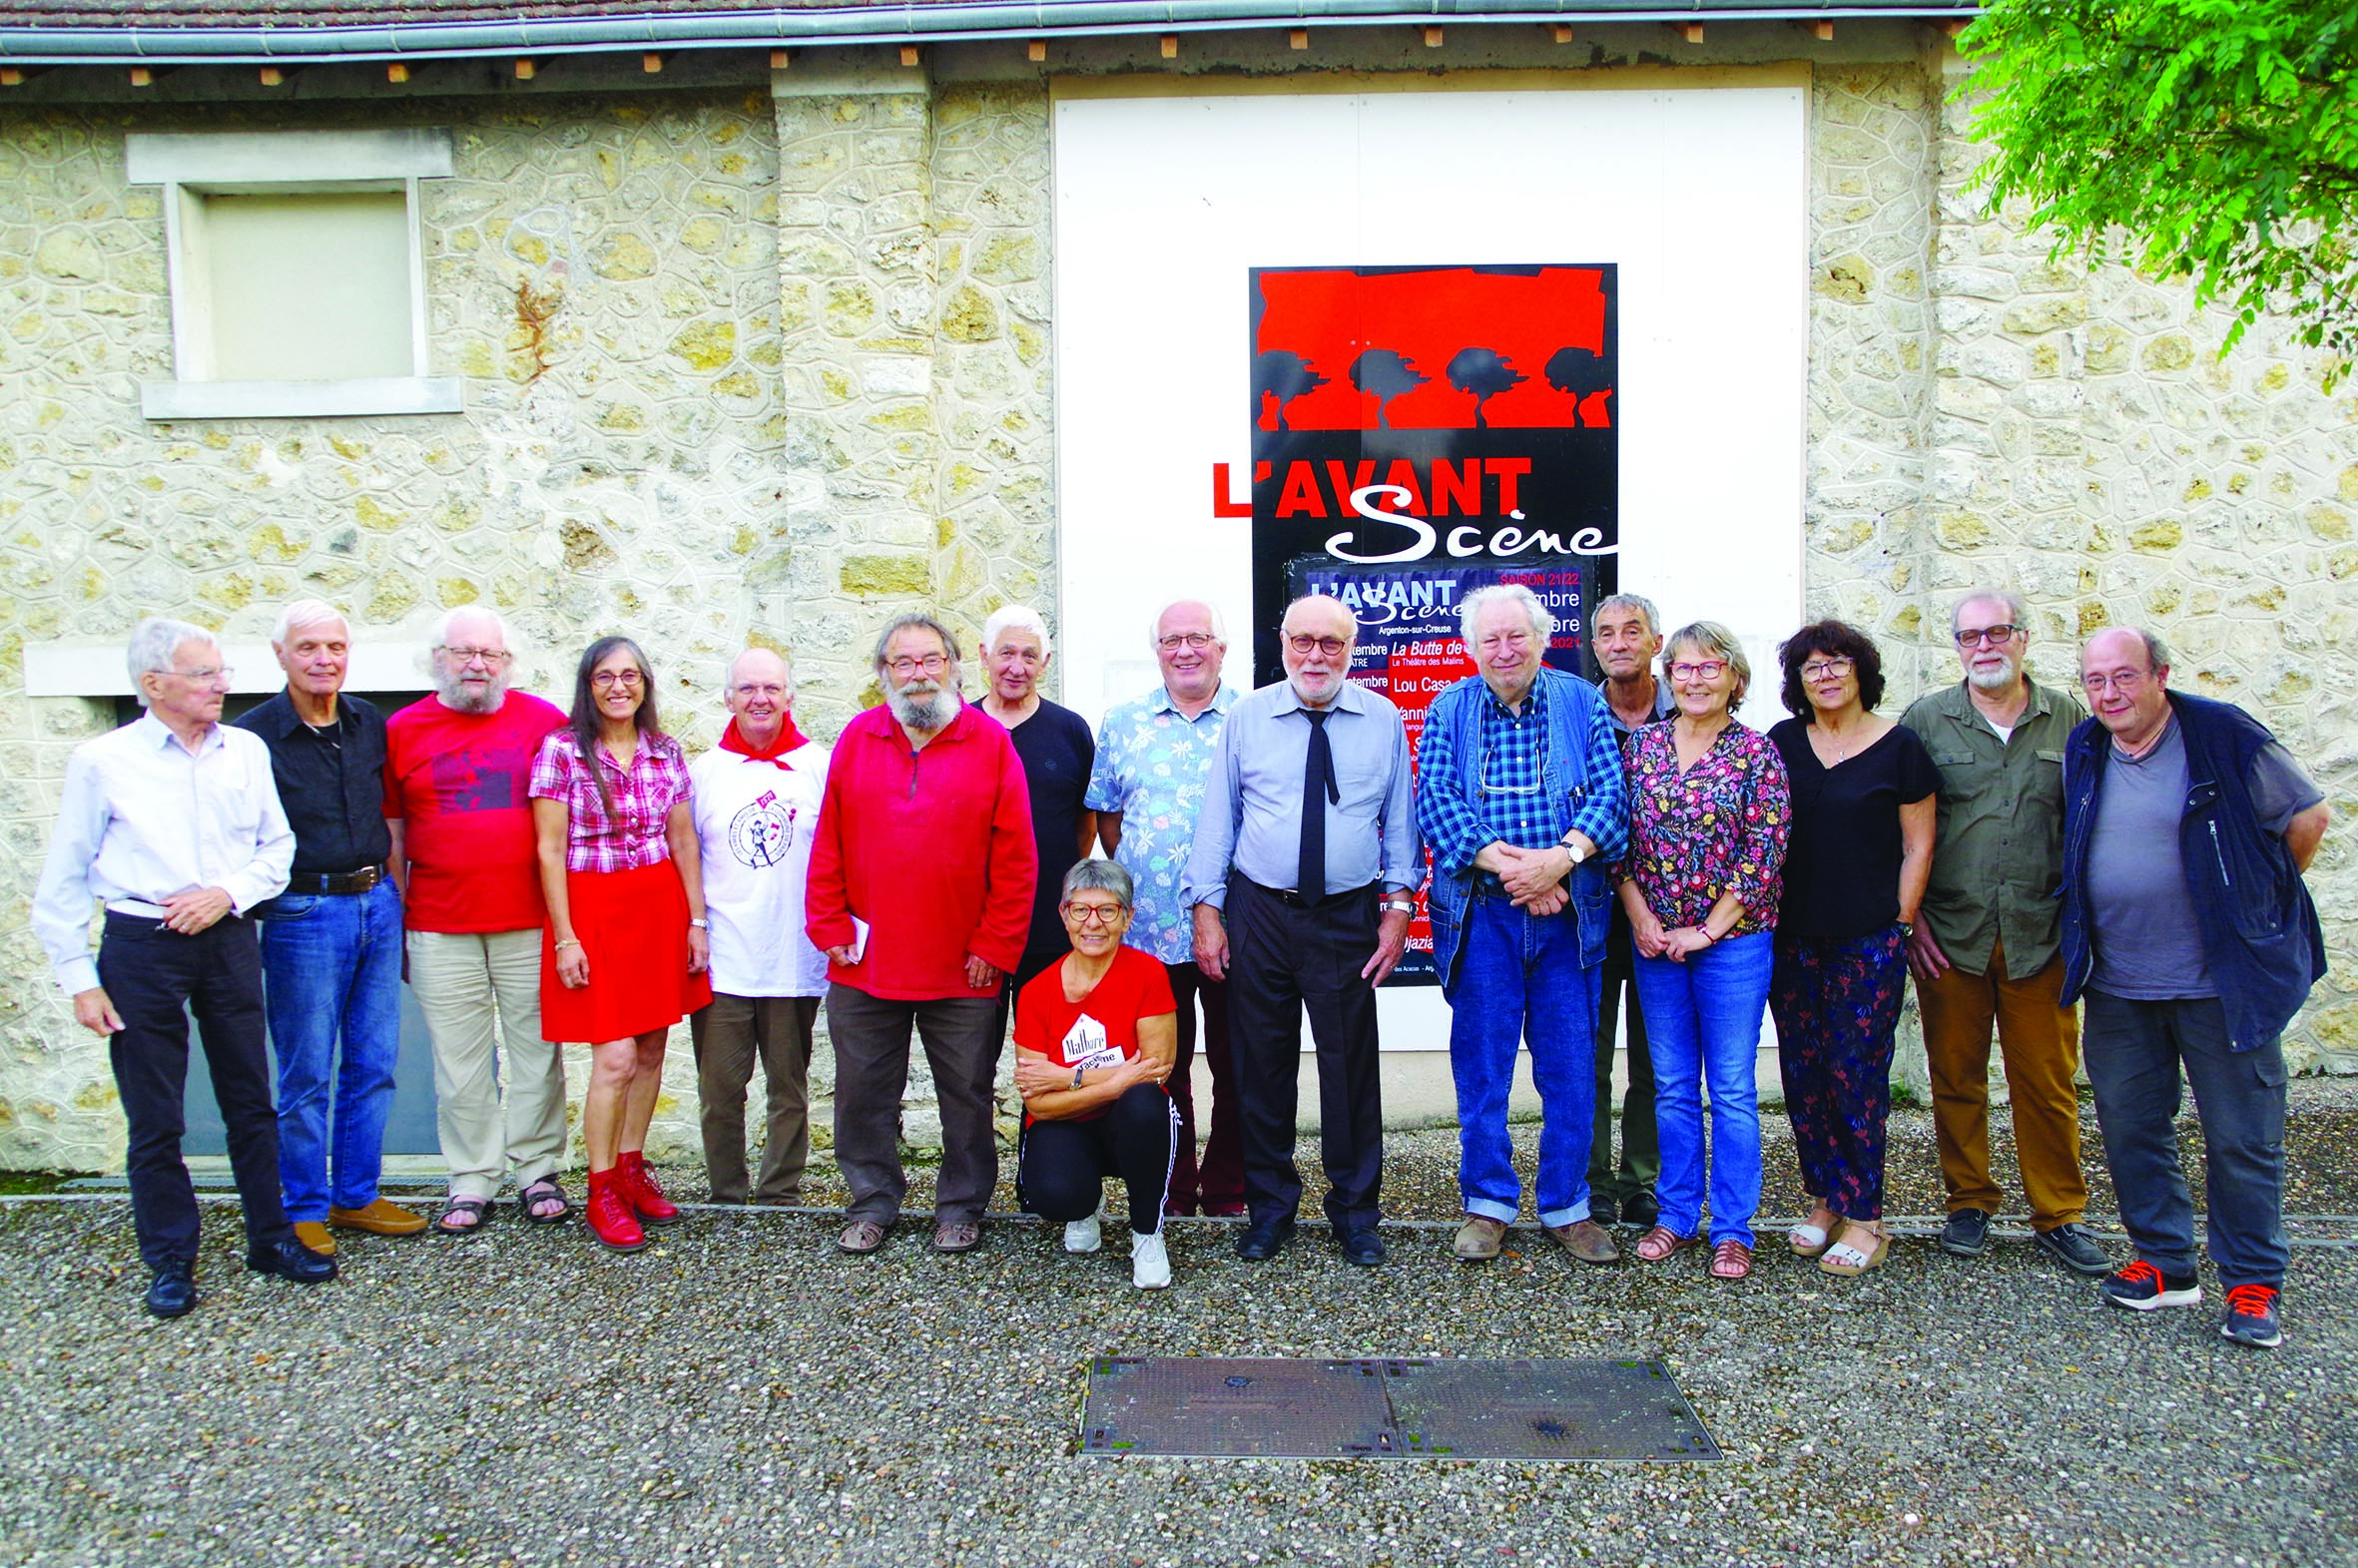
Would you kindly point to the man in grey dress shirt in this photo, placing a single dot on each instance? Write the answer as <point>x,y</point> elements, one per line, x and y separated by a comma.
<point>172,822</point>
<point>1297,909</point>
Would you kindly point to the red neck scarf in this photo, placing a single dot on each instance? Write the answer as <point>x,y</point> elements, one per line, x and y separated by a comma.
<point>789,738</point>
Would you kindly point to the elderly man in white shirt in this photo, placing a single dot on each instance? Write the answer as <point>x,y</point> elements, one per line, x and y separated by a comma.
<point>172,822</point>
<point>756,805</point>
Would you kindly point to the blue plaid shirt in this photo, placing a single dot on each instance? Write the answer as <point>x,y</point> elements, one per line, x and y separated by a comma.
<point>1511,807</point>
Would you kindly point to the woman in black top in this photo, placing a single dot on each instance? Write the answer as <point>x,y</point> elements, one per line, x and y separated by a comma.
<point>1862,848</point>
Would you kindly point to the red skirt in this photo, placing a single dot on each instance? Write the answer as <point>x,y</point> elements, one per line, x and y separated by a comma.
<point>633,928</point>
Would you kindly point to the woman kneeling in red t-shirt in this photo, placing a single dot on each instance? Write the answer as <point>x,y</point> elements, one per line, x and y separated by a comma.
<point>1096,1036</point>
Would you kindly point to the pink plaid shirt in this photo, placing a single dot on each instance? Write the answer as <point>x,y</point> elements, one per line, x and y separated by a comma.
<point>643,795</point>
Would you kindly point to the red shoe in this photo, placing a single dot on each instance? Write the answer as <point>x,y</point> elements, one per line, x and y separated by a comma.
<point>640,1191</point>
<point>609,1214</point>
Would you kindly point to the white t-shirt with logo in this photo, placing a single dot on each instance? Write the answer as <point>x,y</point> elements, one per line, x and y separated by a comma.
<point>755,820</point>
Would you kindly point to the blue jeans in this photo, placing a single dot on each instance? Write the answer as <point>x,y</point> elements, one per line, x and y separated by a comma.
<point>332,965</point>
<point>1703,1021</point>
<point>1520,976</point>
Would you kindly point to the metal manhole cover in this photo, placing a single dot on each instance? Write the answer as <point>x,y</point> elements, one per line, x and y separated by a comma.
<point>1390,1408</point>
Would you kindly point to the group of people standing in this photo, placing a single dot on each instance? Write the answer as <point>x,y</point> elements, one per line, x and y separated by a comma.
<point>1619,858</point>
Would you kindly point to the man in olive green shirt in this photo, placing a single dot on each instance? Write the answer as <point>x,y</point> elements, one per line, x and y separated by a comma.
<point>1987,945</point>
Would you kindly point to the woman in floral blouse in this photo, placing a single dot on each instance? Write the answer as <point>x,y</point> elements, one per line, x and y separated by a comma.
<point>1709,812</point>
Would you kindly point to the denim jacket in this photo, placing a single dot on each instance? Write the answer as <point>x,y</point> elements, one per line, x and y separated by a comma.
<point>2260,935</point>
<point>1574,712</point>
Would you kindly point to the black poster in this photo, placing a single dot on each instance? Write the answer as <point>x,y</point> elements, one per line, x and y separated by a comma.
<point>1428,418</point>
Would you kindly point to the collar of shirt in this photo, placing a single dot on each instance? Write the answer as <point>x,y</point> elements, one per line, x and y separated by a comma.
<point>1535,701</point>
<point>157,735</point>
<point>880,723</point>
<point>279,715</point>
<point>1664,703</point>
<point>1162,703</point>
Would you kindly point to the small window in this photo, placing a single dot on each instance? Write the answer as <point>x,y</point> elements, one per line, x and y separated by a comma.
<point>297,278</point>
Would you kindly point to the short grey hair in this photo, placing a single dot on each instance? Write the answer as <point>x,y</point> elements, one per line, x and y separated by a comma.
<point>902,623</point>
<point>1470,607</point>
<point>1154,626</point>
<point>2016,611</point>
<point>730,675</point>
<point>1299,599</point>
<point>1638,602</point>
<point>155,642</point>
<point>2156,651</point>
<point>1020,618</point>
<point>479,612</point>
<point>303,613</point>
<point>1713,641</point>
<point>1093,875</point>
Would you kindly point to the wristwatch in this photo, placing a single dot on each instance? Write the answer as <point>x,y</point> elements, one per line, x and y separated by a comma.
<point>1400,905</point>
<point>1077,1076</point>
<point>1574,850</point>
<point>701,925</point>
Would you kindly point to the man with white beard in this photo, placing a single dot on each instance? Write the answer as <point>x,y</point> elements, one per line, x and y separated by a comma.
<point>1988,944</point>
<point>458,765</point>
<point>921,892</point>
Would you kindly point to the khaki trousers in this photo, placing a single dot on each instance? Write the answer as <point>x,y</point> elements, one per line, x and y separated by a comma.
<point>2039,1038</point>
<point>730,1032</point>
<point>474,987</point>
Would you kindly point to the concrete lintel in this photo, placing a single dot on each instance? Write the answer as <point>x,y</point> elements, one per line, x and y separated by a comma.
<point>816,76</point>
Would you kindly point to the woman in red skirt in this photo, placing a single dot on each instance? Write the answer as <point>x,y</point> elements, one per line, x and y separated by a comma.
<point>624,956</point>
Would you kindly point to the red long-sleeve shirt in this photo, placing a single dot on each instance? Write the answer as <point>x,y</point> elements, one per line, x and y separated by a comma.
<point>931,848</point>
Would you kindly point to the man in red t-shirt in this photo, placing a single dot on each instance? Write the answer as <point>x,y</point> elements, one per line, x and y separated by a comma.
<point>920,894</point>
<point>457,764</point>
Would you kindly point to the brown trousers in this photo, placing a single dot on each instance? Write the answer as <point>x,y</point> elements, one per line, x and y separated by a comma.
<point>729,1033</point>
<point>2039,1039</point>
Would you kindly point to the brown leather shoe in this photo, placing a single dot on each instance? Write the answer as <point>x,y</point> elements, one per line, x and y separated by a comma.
<point>1588,1241</point>
<point>1478,1238</point>
<point>860,1238</point>
<point>315,1236</point>
<point>381,1217</point>
<point>956,1235</point>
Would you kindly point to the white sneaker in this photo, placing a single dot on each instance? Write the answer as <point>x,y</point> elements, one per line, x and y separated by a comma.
<point>1082,1236</point>
<point>1150,1265</point>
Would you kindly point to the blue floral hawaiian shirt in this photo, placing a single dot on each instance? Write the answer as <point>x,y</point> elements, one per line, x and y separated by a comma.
<point>1152,764</point>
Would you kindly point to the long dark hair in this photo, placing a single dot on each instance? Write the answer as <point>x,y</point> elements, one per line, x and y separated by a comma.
<point>584,717</point>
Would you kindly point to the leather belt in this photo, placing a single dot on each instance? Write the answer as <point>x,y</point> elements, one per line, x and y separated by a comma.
<point>360,881</point>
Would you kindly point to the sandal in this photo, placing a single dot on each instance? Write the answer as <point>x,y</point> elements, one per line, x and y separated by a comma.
<point>1660,1242</point>
<point>541,1192</point>
<point>476,1210</point>
<point>1847,1261</point>
<point>1809,1239</point>
<point>1731,1259</point>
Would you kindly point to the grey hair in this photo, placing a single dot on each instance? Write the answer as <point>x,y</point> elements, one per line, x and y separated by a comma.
<point>303,613</point>
<point>1154,628</point>
<point>1108,876</point>
<point>1470,607</point>
<point>905,621</point>
<point>482,611</point>
<point>1349,614</point>
<point>2156,651</point>
<point>2016,611</point>
<point>153,643</point>
<point>1638,602</point>
<point>1019,618</point>
<point>1715,641</point>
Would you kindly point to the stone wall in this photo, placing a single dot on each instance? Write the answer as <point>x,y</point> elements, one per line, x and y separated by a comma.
<point>774,362</point>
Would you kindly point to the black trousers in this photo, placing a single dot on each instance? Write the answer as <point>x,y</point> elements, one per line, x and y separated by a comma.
<point>151,974</point>
<point>1064,1165</point>
<point>1283,957</point>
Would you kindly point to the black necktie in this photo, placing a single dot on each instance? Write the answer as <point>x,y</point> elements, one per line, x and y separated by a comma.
<point>1318,787</point>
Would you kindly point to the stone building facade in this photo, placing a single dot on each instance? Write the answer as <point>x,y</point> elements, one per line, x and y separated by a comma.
<point>755,355</point>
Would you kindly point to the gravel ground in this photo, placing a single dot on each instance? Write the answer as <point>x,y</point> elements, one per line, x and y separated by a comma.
<point>741,1394</point>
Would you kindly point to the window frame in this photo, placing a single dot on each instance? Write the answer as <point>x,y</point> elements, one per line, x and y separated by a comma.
<point>190,165</point>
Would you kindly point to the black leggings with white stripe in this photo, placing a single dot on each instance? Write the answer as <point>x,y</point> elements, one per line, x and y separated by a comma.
<point>1065,1163</point>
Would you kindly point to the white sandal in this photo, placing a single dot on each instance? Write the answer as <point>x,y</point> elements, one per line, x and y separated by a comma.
<point>1810,1241</point>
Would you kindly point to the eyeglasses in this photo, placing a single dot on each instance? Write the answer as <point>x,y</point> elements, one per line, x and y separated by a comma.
<point>1303,642</point>
<point>1700,670</point>
<point>1178,640</point>
<point>1973,635</point>
<point>1095,914</point>
<point>468,656</point>
<point>2124,683</point>
<point>931,664</point>
<point>1827,669</point>
<point>607,677</point>
<point>204,676</point>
